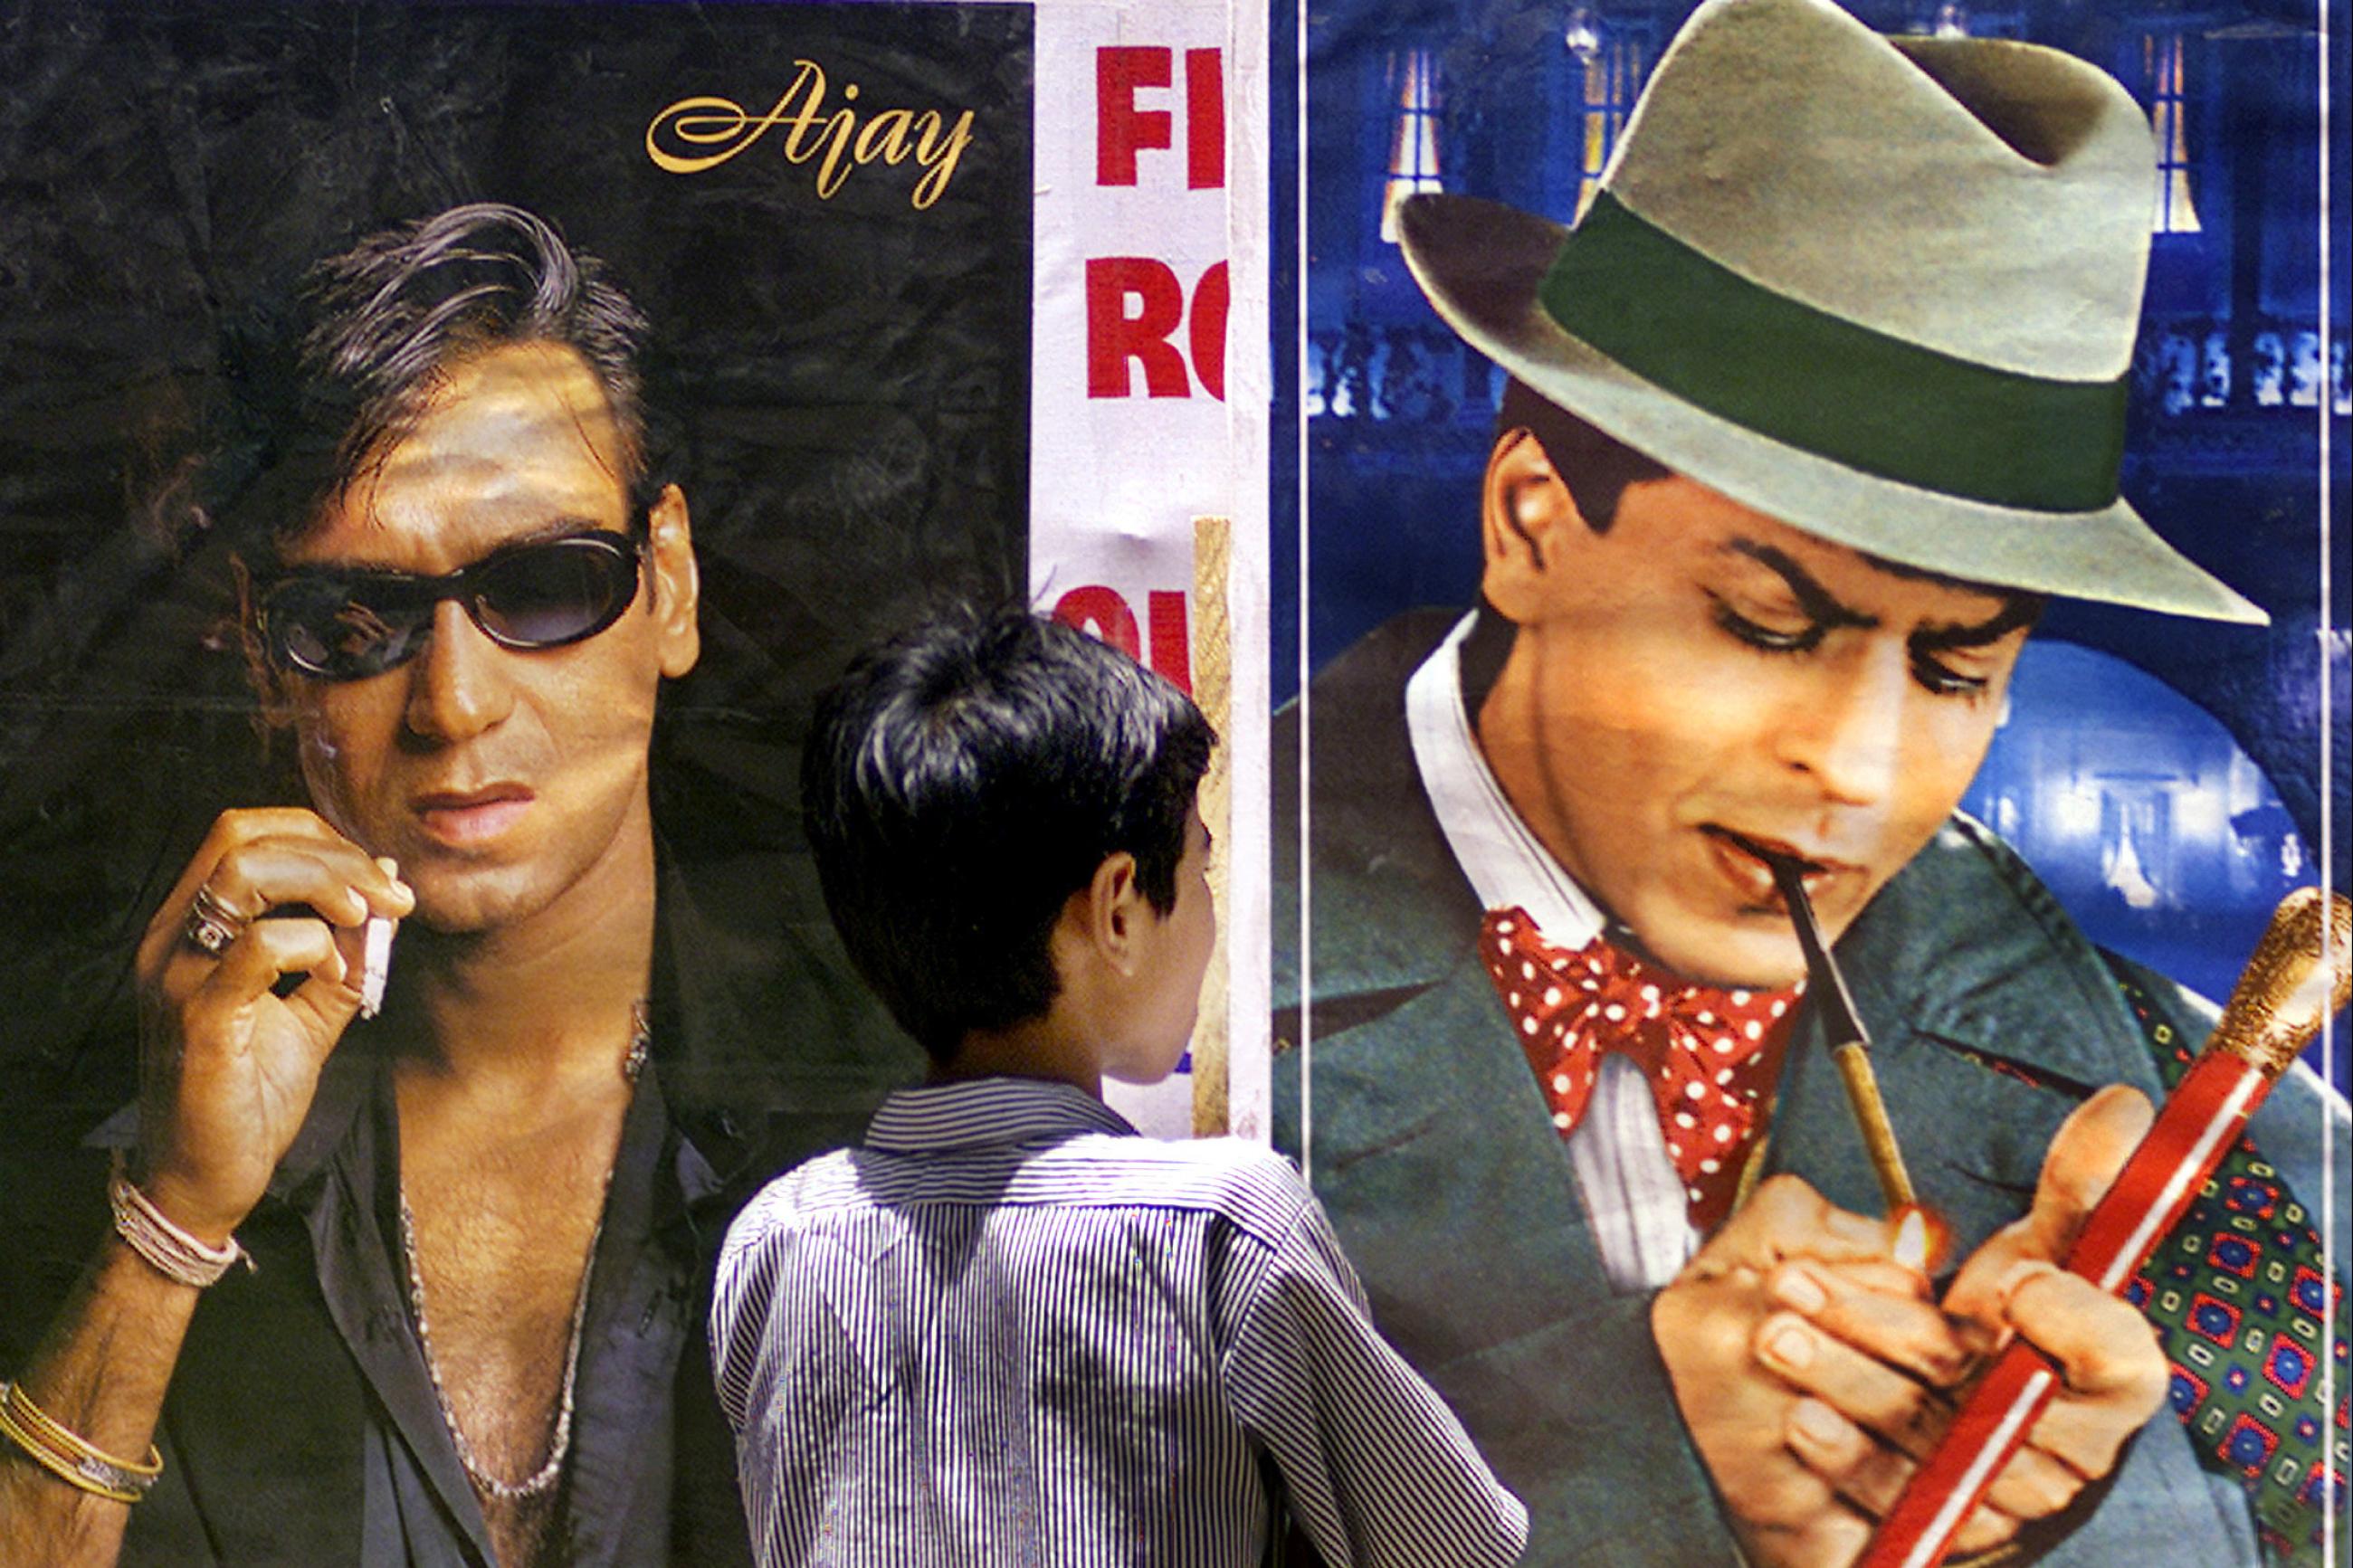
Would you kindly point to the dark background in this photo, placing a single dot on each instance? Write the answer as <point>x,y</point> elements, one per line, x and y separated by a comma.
<point>846,382</point>
<point>2164,775</point>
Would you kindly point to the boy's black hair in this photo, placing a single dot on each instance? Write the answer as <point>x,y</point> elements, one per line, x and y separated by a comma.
<point>965,777</point>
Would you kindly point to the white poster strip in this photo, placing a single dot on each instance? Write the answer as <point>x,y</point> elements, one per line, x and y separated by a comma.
<point>1139,205</point>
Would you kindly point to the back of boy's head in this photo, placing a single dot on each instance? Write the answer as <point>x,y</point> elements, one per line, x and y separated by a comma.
<point>963,779</point>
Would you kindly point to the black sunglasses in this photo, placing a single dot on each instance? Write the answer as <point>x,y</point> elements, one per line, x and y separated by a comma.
<point>346,622</point>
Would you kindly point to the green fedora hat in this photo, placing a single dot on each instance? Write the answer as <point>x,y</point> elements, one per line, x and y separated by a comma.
<point>1885,290</point>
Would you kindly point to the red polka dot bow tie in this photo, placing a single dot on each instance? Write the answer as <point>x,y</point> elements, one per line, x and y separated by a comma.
<point>1710,1055</point>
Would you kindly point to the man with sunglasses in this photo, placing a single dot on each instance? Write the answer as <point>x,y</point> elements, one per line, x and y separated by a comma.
<point>478,1223</point>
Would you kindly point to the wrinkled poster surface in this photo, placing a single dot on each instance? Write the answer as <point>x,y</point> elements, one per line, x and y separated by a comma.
<point>823,211</point>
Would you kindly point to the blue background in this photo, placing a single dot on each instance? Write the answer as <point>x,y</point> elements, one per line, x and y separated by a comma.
<point>2164,775</point>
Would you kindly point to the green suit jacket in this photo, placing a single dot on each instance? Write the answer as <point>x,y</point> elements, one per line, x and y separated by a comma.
<point>1430,1143</point>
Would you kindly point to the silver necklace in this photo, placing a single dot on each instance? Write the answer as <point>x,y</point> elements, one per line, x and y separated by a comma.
<point>642,1041</point>
<point>559,1442</point>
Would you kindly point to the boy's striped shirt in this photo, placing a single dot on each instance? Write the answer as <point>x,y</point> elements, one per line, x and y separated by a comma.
<point>1010,1331</point>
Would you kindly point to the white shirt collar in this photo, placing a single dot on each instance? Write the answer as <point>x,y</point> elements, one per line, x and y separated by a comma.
<point>977,1112</point>
<point>1633,1198</point>
<point>1505,863</point>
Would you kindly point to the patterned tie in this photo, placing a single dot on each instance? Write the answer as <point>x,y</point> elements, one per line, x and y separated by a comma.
<point>2238,1294</point>
<point>1708,1054</point>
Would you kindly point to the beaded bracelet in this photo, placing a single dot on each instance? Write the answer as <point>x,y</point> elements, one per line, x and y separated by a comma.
<point>69,1458</point>
<point>169,1251</point>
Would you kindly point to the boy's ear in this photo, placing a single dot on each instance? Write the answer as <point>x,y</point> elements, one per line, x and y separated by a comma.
<point>1113,909</point>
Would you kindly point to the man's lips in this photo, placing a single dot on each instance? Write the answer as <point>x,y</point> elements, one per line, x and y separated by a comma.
<point>457,817</point>
<point>1747,860</point>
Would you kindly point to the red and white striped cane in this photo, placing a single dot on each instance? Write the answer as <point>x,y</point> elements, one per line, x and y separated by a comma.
<point>2295,981</point>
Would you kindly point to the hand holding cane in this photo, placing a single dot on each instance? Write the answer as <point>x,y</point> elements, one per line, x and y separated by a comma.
<point>2297,979</point>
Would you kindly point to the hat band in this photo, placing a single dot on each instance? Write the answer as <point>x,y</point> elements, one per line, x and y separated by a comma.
<point>1693,327</point>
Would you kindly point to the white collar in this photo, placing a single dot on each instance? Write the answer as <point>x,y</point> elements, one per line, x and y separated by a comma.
<point>1633,1198</point>
<point>979,1112</point>
<point>1505,863</point>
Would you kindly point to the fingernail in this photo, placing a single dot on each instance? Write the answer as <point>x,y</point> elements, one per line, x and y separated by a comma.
<point>1820,1422</point>
<point>1792,1346</point>
<point>1797,1288</point>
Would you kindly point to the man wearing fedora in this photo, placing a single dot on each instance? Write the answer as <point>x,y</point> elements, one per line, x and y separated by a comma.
<point>1815,405</point>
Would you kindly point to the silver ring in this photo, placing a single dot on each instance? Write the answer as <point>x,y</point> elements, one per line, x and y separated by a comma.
<point>212,925</point>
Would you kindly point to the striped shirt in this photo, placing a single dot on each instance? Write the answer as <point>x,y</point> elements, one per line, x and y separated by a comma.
<point>1010,1331</point>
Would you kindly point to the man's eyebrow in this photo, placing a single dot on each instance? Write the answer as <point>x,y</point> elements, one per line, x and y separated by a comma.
<point>2018,610</point>
<point>1819,603</point>
<point>562,526</point>
<point>2020,607</point>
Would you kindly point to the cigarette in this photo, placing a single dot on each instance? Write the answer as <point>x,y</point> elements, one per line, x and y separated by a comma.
<point>375,965</point>
<point>1853,1059</point>
<point>1850,1041</point>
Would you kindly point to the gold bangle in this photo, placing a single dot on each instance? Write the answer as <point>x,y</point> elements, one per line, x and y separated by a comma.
<point>19,1403</point>
<point>70,1458</point>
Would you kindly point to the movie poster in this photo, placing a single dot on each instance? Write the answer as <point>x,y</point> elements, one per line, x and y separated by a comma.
<point>972,300</point>
<point>939,299</point>
<point>840,344</point>
<point>2162,780</point>
<point>822,210</point>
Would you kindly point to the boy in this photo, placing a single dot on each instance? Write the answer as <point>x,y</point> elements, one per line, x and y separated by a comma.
<point>1008,1329</point>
